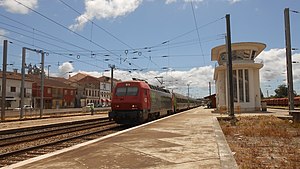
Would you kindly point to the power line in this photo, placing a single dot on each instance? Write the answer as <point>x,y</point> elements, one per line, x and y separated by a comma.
<point>184,34</point>
<point>48,37</point>
<point>59,24</point>
<point>118,39</point>
<point>44,42</point>
<point>49,51</point>
<point>196,25</point>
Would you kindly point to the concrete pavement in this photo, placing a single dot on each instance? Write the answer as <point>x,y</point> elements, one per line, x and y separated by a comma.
<point>191,139</point>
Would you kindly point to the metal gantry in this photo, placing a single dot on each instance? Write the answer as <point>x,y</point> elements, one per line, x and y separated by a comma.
<point>23,80</point>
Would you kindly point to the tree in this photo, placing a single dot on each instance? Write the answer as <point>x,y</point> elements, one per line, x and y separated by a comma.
<point>282,91</point>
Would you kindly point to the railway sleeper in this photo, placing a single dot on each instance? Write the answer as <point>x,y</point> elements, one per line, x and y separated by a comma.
<point>39,152</point>
<point>18,158</point>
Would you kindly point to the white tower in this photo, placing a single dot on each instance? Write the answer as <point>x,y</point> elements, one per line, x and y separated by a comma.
<point>246,83</point>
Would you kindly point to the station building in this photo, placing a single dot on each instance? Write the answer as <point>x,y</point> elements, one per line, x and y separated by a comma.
<point>246,79</point>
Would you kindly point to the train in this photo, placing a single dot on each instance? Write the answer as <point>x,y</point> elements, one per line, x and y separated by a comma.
<point>282,101</point>
<point>136,101</point>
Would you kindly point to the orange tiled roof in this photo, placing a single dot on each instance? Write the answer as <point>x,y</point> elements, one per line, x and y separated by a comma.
<point>14,76</point>
<point>51,82</point>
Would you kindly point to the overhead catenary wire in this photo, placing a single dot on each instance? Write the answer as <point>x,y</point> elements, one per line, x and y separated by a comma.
<point>184,34</point>
<point>48,36</point>
<point>91,39</point>
<point>170,45</point>
<point>59,24</point>
<point>118,39</point>
<point>45,43</point>
<point>49,51</point>
<point>197,30</point>
<point>106,50</point>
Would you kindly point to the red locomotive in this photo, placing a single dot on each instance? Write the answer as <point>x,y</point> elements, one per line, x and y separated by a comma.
<point>136,101</point>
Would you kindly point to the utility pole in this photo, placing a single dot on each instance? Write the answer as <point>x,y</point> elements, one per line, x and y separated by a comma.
<point>22,83</point>
<point>4,80</point>
<point>42,83</point>
<point>48,71</point>
<point>112,67</point>
<point>289,58</point>
<point>229,69</point>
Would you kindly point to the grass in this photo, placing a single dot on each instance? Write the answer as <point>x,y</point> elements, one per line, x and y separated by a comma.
<point>264,142</point>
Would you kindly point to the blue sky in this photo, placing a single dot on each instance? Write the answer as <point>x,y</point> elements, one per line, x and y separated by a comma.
<point>148,38</point>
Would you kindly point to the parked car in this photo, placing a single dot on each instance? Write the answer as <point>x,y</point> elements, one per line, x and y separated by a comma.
<point>25,107</point>
<point>88,107</point>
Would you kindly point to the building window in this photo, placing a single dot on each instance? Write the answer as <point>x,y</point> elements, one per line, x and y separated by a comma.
<point>234,86</point>
<point>66,92</point>
<point>241,85</point>
<point>49,90</point>
<point>12,89</point>
<point>247,85</point>
<point>71,93</point>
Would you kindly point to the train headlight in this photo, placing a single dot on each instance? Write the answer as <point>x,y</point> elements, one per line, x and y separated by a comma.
<point>134,107</point>
<point>117,106</point>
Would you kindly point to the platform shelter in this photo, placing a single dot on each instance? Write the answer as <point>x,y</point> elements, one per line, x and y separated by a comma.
<point>245,70</point>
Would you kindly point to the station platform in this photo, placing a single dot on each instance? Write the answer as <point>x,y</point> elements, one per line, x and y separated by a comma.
<point>191,139</point>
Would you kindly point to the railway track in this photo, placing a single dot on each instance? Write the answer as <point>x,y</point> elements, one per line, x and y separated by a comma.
<point>21,144</point>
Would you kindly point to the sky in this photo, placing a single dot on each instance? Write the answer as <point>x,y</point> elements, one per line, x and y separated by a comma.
<point>166,41</point>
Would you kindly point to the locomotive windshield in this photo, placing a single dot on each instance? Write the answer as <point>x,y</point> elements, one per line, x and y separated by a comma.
<point>127,91</point>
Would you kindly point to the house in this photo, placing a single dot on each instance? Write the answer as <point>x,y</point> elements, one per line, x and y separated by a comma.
<point>246,82</point>
<point>211,100</point>
<point>91,89</point>
<point>13,89</point>
<point>57,94</point>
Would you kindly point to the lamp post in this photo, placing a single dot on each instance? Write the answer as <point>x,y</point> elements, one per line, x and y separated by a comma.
<point>112,67</point>
<point>188,94</point>
<point>48,71</point>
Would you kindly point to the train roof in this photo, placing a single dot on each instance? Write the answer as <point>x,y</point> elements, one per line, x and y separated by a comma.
<point>146,85</point>
<point>159,88</point>
<point>140,83</point>
<point>177,95</point>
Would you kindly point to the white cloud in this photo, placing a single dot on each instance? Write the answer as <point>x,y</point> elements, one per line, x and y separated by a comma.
<point>198,78</point>
<point>65,69</point>
<point>233,1</point>
<point>173,1</point>
<point>170,1</point>
<point>274,64</point>
<point>107,9</point>
<point>14,7</point>
<point>103,9</point>
<point>274,71</point>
